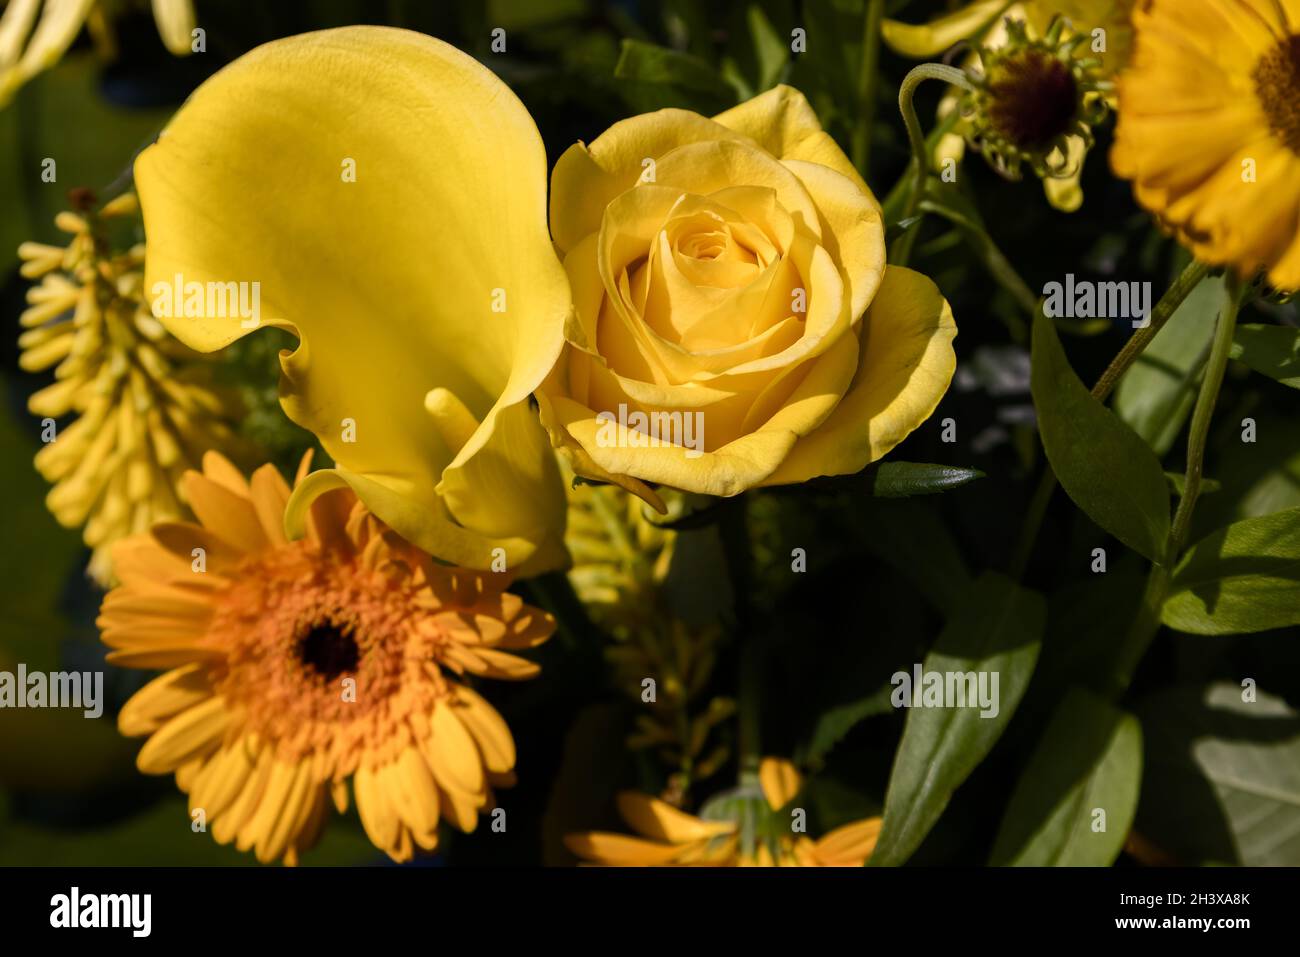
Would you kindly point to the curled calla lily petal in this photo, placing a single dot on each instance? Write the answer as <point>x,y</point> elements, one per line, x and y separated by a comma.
<point>924,40</point>
<point>383,196</point>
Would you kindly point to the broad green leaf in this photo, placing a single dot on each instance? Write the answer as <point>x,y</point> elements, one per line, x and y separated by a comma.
<point>996,630</point>
<point>1156,395</point>
<point>1075,801</point>
<point>905,479</point>
<point>671,78</point>
<point>1272,350</point>
<point>1239,579</point>
<point>1103,465</point>
<point>1222,776</point>
<point>771,51</point>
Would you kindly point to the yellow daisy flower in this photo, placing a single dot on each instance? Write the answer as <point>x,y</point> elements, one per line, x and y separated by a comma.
<point>1042,70</point>
<point>736,830</point>
<point>34,34</point>
<point>1209,129</point>
<point>144,406</point>
<point>296,665</point>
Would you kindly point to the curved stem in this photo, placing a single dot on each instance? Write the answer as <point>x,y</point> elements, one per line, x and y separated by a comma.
<point>1147,623</point>
<point>916,137</point>
<point>867,71</point>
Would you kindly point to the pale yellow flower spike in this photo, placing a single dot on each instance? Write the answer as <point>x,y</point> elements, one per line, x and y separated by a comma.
<point>144,412</point>
<point>176,23</point>
<point>386,194</point>
<point>57,27</point>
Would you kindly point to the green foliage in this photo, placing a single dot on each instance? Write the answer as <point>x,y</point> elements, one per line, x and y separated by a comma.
<point>1242,578</point>
<point>998,630</point>
<point>1155,397</point>
<point>1222,775</point>
<point>1104,466</point>
<point>905,479</point>
<point>1075,800</point>
<point>1272,350</point>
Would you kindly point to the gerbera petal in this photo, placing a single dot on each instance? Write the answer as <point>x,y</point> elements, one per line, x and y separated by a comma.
<point>848,846</point>
<point>780,781</point>
<point>193,732</point>
<point>161,699</point>
<point>661,821</point>
<point>619,849</point>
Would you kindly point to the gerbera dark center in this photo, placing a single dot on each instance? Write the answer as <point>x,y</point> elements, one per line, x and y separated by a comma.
<point>329,651</point>
<point>1034,98</point>
<point>1277,84</point>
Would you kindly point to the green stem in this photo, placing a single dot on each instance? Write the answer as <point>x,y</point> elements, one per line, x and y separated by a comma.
<point>1179,290</point>
<point>1188,280</point>
<point>736,547</point>
<point>867,72</point>
<point>916,137</point>
<point>1147,623</point>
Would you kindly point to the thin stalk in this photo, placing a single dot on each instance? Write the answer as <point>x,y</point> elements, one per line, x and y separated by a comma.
<point>868,71</point>
<point>737,549</point>
<point>916,137</point>
<point>1147,623</point>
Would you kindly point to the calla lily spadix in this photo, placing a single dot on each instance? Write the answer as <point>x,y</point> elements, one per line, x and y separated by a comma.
<point>387,194</point>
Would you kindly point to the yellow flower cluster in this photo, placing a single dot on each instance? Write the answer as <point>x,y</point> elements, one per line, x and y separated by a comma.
<point>620,563</point>
<point>143,406</point>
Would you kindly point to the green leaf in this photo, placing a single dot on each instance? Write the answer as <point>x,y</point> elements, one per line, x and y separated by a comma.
<point>1089,759</point>
<point>1222,777</point>
<point>834,724</point>
<point>997,630</point>
<point>1272,350</point>
<point>1239,579</point>
<point>905,479</point>
<point>1103,465</point>
<point>1156,395</point>
<point>672,78</point>
<point>771,50</point>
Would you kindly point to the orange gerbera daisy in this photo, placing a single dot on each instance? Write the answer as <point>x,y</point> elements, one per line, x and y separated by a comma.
<point>1209,129</point>
<point>743,828</point>
<point>297,665</point>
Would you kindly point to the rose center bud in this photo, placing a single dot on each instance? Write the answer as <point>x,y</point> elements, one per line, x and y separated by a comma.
<point>1277,85</point>
<point>1034,98</point>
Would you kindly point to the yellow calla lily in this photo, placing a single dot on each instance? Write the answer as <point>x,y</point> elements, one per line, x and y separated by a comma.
<point>383,196</point>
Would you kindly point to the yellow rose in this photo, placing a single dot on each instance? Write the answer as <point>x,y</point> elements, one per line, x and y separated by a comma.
<point>735,324</point>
